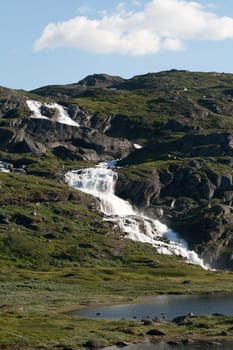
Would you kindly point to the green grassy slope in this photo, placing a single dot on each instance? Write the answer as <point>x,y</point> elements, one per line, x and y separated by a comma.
<point>200,100</point>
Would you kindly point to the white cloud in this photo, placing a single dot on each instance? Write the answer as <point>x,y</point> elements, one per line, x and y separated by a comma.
<point>160,25</point>
<point>172,44</point>
<point>83,9</point>
<point>136,3</point>
<point>120,8</point>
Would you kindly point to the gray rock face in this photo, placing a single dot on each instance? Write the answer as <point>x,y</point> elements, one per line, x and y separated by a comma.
<point>12,104</point>
<point>21,134</point>
<point>85,142</point>
<point>214,144</point>
<point>139,192</point>
<point>226,182</point>
<point>89,83</point>
<point>195,200</point>
<point>101,80</point>
<point>223,106</point>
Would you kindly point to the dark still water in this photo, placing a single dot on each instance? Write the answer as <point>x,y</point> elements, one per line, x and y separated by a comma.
<point>164,306</point>
<point>165,346</point>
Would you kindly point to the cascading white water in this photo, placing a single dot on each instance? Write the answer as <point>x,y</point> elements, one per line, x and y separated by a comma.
<point>62,116</point>
<point>100,182</point>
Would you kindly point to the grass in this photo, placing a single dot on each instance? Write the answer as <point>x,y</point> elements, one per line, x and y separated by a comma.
<point>37,318</point>
<point>124,102</point>
<point>48,331</point>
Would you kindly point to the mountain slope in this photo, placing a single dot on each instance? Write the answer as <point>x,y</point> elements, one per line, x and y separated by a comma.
<point>57,252</point>
<point>184,172</point>
<point>183,120</point>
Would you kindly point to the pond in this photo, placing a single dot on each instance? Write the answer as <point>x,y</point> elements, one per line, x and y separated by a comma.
<point>166,346</point>
<point>164,307</point>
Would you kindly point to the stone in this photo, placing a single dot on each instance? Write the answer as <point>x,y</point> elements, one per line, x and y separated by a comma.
<point>224,334</point>
<point>121,344</point>
<point>147,322</point>
<point>155,332</point>
<point>94,344</point>
<point>226,182</point>
<point>207,189</point>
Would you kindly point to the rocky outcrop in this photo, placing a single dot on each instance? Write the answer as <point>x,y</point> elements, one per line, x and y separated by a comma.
<point>121,125</point>
<point>140,190</point>
<point>222,106</point>
<point>36,136</point>
<point>205,145</point>
<point>94,81</point>
<point>101,81</point>
<point>88,143</point>
<point>193,197</point>
<point>22,134</point>
<point>12,104</point>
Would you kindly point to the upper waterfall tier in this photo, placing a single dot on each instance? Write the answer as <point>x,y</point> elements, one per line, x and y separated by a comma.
<point>60,115</point>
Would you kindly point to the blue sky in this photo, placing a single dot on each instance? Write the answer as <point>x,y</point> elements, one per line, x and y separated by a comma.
<point>62,41</point>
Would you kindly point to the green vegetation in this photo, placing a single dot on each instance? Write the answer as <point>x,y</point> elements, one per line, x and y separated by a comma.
<point>196,99</point>
<point>49,331</point>
<point>124,102</point>
<point>34,304</point>
<point>57,254</point>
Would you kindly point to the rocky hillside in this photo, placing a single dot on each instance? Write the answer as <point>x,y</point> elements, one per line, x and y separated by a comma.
<point>183,120</point>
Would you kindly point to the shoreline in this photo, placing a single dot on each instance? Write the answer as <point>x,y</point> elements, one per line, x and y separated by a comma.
<point>135,301</point>
<point>150,343</point>
<point>199,329</point>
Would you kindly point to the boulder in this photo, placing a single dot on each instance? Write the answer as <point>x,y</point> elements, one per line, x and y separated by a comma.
<point>226,183</point>
<point>183,320</point>
<point>207,189</point>
<point>95,344</point>
<point>156,332</point>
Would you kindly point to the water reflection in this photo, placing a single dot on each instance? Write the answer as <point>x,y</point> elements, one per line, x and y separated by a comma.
<point>166,346</point>
<point>164,307</point>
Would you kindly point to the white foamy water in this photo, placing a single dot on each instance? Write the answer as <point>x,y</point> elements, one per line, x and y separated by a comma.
<point>61,116</point>
<point>137,146</point>
<point>100,182</point>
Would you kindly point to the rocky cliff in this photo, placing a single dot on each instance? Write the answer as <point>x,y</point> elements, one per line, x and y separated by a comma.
<point>23,133</point>
<point>194,197</point>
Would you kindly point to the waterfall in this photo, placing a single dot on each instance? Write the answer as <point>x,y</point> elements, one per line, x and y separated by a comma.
<point>100,182</point>
<point>61,116</point>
